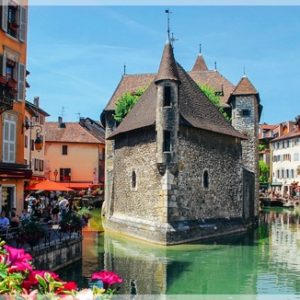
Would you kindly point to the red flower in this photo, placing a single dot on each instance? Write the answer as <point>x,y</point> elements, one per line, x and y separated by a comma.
<point>18,259</point>
<point>67,287</point>
<point>31,280</point>
<point>107,277</point>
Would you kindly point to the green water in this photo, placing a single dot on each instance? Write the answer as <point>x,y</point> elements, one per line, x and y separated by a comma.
<point>263,262</point>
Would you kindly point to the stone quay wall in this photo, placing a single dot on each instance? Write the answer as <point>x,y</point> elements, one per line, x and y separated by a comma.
<point>57,255</point>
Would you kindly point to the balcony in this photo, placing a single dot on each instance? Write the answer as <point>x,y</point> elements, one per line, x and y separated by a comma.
<point>8,92</point>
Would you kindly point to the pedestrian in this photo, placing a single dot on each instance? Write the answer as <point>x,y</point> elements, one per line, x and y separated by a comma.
<point>4,221</point>
<point>54,213</point>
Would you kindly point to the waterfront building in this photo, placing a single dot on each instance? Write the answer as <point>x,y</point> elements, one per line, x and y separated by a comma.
<point>35,118</point>
<point>13,51</point>
<point>285,162</point>
<point>75,153</point>
<point>176,170</point>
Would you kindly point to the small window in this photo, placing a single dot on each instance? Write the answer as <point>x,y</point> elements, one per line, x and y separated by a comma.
<point>167,96</point>
<point>64,149</point>
<point>245,112</point>
<point>133,180</point>
<point>167,141</point>
<point>278,173</point>
<point>12,17</point>
<point>205,180</point>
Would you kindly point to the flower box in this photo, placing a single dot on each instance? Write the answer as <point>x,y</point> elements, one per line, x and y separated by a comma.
<point>11,83</point>
<point>3,80</point>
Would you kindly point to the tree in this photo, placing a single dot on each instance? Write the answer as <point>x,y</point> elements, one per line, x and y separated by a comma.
<point>210,93</point>
<point>126,102</point>
<point>263,172</point>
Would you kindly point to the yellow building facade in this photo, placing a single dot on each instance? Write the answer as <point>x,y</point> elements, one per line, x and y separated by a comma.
<point>13,51</point>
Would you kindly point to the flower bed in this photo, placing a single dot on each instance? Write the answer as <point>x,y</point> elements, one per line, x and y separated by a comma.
<point>19,280</point>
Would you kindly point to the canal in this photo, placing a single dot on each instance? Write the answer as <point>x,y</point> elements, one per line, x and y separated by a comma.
<point>263,262</point>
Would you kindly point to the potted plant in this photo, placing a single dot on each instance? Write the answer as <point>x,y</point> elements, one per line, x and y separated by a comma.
<point>31,232</point>
<point>71,222</point>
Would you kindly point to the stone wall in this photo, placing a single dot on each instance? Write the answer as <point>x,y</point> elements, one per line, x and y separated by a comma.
<point>137,153</point>
<point>220,156</point>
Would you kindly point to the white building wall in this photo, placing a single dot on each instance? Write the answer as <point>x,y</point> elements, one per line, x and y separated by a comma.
<point>286,163</point>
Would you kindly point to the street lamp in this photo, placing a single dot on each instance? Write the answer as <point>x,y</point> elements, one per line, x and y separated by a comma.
<point>38,142</point>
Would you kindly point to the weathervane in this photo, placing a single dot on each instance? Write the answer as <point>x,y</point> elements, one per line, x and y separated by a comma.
<point>124,70</point>
<point>173,39</point>
<point>167,11</point>
<point>200,48</point>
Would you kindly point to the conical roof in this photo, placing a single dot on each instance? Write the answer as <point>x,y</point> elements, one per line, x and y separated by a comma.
<point>167,69</point>
<point>244,87</point>
<point>195,109</point>
<point>200,64</point>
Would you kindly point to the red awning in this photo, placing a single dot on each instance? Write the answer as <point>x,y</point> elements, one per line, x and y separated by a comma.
<point>48,185</point>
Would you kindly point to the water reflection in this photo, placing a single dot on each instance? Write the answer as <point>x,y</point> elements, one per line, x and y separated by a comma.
<point>265,261</point>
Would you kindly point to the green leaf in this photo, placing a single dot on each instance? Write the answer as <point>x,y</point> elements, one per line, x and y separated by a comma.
<point>41,281</point>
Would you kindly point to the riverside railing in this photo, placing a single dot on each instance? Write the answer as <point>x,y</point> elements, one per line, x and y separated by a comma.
<point>53,235</point>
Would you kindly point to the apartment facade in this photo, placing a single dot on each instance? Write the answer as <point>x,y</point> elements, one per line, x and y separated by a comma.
<point>286,158</point>
<point>74,153</point>
<point>13,51</point>
<point>35,119</point>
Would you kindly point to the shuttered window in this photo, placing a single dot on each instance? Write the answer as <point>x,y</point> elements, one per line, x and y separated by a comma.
<point>21,82</point>
<point>4,16</point>
<point>9,139</point>
<point>23,24</point>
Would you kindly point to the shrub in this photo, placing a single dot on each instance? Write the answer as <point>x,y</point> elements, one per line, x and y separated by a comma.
<point>126,102</point>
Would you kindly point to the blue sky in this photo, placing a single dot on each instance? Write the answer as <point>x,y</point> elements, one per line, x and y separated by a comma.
<point>76,54</point>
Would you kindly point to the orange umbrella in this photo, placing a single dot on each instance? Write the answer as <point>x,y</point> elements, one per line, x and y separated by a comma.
<point>49,185</point>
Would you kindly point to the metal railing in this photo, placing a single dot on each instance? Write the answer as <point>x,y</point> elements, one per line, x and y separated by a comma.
<point>53,235</point>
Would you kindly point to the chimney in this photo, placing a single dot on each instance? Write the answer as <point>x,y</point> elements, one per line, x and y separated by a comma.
<point>36,101</point>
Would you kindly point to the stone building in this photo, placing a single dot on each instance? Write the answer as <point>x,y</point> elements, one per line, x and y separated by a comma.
<point>176,170</point>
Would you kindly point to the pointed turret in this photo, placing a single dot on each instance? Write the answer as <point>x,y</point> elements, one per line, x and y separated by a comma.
<point>244,87</point>
<point>167,68</point>
<point>200,64</point>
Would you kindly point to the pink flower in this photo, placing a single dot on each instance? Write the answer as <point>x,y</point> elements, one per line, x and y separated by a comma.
<point>107,277</point>
<point>18,259</point>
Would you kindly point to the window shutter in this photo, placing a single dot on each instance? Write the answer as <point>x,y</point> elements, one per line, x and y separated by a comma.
<point>4,20</point>
<point>9,141</point>
<point>23,24</point>
<point>3,65</point>
<point>12,140</point>
<point>21,82</point>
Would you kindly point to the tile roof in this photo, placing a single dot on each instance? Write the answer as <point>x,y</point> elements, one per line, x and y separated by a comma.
<point>292,134</point>
<point>194,108</point>
<point>34,109</point>
<point>129,83</point>
<point>200,64</point>
<point>167,67</point>
<point>244,87</point>
<point>72,133</point>
<point>94,127</point>
<point>215,80</point>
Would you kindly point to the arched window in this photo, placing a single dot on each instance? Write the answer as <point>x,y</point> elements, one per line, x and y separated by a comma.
<point>205,180</point>
<point>133,180</point>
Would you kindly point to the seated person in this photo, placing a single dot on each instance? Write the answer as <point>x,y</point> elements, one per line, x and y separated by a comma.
<point>4,221</point>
